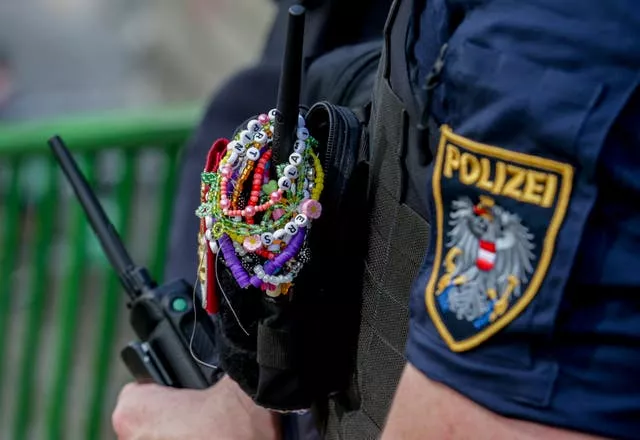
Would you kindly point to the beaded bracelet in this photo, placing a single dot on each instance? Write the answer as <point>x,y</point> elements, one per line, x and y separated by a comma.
<point>257,214</point>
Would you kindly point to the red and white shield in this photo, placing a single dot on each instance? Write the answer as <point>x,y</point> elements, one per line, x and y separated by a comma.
<point>486,255</point>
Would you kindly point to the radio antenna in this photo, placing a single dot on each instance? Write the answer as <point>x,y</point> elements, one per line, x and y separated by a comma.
<point>135,279</point>
<point>290,82</point>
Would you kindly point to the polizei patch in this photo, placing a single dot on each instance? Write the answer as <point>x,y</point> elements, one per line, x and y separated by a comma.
<point>498,213</point>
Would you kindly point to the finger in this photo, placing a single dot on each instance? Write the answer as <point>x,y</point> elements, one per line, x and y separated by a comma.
<point>126,390</point>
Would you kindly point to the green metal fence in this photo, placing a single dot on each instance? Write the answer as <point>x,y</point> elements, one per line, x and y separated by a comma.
<point>61,307</point>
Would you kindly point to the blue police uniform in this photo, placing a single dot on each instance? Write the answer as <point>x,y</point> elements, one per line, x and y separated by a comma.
<point>527,301</point>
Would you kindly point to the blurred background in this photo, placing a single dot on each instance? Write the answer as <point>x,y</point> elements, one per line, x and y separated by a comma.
<point>124,82</point>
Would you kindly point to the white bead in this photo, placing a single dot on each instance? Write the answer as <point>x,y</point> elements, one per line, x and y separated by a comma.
<point>246,137</point>
<point>209,235</point>
<point>291,228</point>
<point>233,157</point>
<point>302,133</point>
<point>267,238</point>
<point>238,148</point>
<point>301,122</point>
<point>306,194</point>
<point>295,159</point>
<point>280,234</point>
<point>253,153</point>
<point>254,126</point>
<point>284,183</point>
<point>240,250</point>
<point>272,114</point>
<point>261,138</point>
<point>213,245</point>
<point>291,171</point>
<point>208,220</point>
<point>231,146</point>
<point>301,220</point>
<point>299,146</point>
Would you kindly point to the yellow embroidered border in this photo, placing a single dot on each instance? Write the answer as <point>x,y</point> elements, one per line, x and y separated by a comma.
<point>565,170</point>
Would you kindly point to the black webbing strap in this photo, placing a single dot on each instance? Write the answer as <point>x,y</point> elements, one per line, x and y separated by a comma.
<point>397,242</point>
<point>275,347</point>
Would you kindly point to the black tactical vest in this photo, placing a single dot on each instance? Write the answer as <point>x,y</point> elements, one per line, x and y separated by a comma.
<point>397,241</point>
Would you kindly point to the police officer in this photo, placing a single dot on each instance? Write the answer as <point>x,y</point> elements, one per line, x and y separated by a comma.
<point>519,146</point>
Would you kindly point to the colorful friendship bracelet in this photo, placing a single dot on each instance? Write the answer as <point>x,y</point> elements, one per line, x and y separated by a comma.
<point>257,214</point>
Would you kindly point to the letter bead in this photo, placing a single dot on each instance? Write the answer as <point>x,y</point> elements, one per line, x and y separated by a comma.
<point>260,137</point>
<point>239,149</point>
<point>291,228</point>
<point>299,146</point>
<point>301,220</point>
<point>253,154</point>
<point>235,146</point>
<point>280,234</point>
<point>295,159</point>
<point>254,126</point>
<point>246,137</point>
<point>284,183</point>
<point>267,238</point>
<point>303,133</point>
<point>291,171</point>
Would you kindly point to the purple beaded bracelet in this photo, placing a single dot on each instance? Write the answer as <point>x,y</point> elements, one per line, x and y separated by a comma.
<point>292,249</point>
<point>233,262</point>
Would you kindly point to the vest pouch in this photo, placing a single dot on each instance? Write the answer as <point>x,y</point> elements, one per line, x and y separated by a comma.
<point>293,350</point>
<point>338,244</point>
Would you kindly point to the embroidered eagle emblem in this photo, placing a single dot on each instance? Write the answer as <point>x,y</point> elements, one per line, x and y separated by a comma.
<point>489,257</point>
<point>497,214</point>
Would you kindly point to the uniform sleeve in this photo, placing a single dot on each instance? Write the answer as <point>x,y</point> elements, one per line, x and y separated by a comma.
<point>524,302</point>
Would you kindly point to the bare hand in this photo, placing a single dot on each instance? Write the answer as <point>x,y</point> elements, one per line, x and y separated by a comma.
<point>223,412</point>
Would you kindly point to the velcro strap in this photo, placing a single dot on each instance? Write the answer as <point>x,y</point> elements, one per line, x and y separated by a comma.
<point>275,348</point>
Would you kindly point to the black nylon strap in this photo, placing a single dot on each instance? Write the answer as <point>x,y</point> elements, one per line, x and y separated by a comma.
<point>274,348</point>
<point>397,241</point>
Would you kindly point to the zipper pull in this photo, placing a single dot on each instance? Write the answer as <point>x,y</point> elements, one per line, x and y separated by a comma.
<point>431,81</point>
